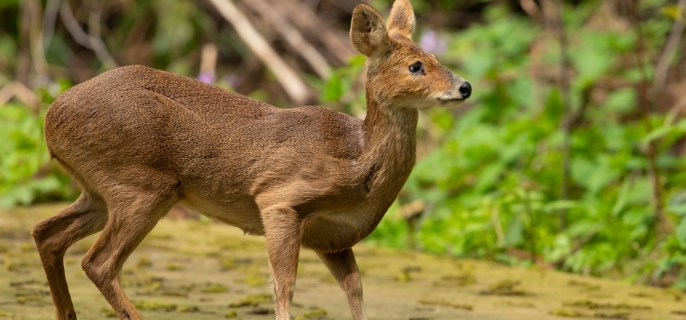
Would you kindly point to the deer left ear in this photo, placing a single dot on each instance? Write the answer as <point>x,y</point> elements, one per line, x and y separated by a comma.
<point>401,21</point>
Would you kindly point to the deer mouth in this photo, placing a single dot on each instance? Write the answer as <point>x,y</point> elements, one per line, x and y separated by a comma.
<point>449,100</point>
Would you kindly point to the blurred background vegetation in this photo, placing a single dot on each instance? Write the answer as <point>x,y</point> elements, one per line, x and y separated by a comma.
<point>569,155</point>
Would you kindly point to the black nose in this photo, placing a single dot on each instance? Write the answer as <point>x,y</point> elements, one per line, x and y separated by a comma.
<point>466,90</point>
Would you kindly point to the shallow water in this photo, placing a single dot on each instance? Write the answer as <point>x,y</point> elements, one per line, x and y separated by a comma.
<point>188,269</point>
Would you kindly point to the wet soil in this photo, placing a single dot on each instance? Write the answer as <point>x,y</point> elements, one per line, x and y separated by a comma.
<point>189,269</point>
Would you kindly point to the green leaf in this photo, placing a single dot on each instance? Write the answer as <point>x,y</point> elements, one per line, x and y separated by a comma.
<point>622,101</point>
<point>334,89</point>
<point>673,11</point>
<point>514,233</point>
<point>681,232</point>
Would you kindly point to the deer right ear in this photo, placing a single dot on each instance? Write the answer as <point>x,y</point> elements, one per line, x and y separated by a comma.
<point>367,31</point>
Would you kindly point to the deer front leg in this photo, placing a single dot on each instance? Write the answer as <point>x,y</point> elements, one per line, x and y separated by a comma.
<point>344,268</point>
<point>283,230</point>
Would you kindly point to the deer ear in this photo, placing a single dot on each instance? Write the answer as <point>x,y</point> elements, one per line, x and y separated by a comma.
<point>367,31</point>
<point>401,21</point>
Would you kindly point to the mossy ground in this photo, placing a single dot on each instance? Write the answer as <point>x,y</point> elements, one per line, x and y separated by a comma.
<point>204,270</point>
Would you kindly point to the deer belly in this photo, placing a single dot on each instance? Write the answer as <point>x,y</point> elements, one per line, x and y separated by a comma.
<point>336,232</point>
<point>241,214</point>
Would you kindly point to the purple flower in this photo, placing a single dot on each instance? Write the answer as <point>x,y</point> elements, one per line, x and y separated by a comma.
<point>206,77</point>
<point>431,42</point>
<point>232,80</point>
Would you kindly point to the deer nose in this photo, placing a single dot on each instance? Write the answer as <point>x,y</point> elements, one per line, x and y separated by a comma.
<point>466,90</point>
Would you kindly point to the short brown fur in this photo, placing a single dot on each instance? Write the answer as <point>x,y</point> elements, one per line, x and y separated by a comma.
<point>139,141</point>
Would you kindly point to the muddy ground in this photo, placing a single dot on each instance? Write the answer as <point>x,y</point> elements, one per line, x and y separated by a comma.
<point>188,269</point>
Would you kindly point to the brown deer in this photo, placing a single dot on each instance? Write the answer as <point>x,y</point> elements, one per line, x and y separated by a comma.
<point>139,141</point>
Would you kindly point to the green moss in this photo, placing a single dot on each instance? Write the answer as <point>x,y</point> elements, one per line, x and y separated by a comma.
<point>154,306</point>
<point>261,311</point>
<point>252,300</point>
<point>109,312</point>
<point>16,265</point>
<point>505,288</point>
<point>255,280</point>
<point>595,305</point>
<point>402,277</point>
<point>5,314</point>
<point>520,304</point>
<point>231,314</point>
<point>27,247</point>
<point>163,306</point>
<point>174,267</point>
<point>615,315</point>
<point>566,313</point>
<point>226,263</point>
<point>29,297</point>
<point>431,302</point>
<point>160,236</point>
<point>584,285</point>
<point>144,262</point>
<point>187,309</point>
<point>214,288</point>
<point>313,314</point>
<point>462,280</point>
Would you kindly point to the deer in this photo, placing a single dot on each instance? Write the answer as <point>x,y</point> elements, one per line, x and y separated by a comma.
<point>139,141</point>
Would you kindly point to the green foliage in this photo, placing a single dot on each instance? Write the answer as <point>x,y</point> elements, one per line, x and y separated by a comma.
<point>494,183</point>
<point>26,175</point>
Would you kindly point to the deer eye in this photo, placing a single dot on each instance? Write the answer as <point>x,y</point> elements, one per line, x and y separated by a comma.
<point>416,67</point>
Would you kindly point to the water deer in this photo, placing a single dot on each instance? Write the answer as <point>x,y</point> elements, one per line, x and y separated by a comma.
<point>139,141</point>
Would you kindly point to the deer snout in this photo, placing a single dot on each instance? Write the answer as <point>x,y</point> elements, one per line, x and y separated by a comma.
<point>465,90</point>
<point>459,90</point>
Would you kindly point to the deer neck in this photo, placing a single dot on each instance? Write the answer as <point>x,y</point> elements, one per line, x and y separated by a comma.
<point>389,147</point>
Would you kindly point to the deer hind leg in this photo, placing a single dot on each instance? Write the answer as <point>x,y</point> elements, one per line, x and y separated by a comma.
<point>133,213</point>
<point>283,231</point>
<point>54,235</point>
<point>344,268</point>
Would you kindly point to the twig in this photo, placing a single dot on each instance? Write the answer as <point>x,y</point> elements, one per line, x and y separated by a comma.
<point>531,8</point>
<point>96,41</point>
<point>579,244</point>
<point>566,123</point>
<point>289,80</point>
<point>208,63</point>
<point>308,22</point>
<point>35,45</point>
<point>82,38</point>
<point>292,36</point>
<point>49,19</point>
<point>497,227</point>
<point>18,90</point>
<point>662,226</point>
<point>674,112</point>
<point>670,48</point>
<point>532,225</point>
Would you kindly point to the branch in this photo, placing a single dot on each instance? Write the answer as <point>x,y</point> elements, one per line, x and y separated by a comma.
<point>289,79</point>
<point>568,118</point>
<point>531,8</point>
<point>670,48</point>
<point>18,90</point>
<point>49,18</point>
<point>308,22</point>
<point>35,45</point>
<point>674,112</point>
<point>96,41</point>
<point>662,225</point>
<point>89,41</point>
<point>292,36</point>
